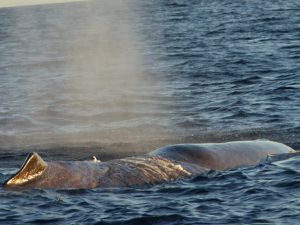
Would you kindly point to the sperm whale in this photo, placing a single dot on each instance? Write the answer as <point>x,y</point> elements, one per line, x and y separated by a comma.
<point>162,165</point>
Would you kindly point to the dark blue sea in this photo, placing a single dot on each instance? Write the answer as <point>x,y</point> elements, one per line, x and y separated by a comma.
<point>121,78</point>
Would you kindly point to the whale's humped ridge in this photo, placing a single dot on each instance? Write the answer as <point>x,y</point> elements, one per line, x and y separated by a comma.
<point>32,168</point>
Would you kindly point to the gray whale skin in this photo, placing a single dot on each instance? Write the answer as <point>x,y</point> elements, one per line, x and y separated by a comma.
<point>162,165</point>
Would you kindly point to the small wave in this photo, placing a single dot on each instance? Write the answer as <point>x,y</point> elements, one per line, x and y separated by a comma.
<point>247,81</point>
<point>241,114</point>
<point>148,219</point>
<point>288,184</point>
<point>285,89</point>
<point>8,171</point>
<point>293,46</point>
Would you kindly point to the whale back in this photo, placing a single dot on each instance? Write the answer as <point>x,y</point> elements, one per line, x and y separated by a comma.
<point>31,169</point>
<point>164,164</point>
<point>220,156</point>
<point>36,173</point>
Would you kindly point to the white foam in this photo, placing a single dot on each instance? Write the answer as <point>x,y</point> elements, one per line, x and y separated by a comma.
<point>17,3</point>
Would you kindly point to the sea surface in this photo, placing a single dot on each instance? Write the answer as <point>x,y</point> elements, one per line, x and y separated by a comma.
<point>121,78</point>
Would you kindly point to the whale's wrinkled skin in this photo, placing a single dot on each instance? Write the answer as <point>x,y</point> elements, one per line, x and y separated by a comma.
<point>161,165</point>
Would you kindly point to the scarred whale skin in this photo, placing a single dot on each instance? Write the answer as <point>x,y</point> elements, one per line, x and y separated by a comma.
<point>161,165</point>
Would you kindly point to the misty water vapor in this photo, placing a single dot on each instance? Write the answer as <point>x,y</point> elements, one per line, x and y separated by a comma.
<point>84,76</point>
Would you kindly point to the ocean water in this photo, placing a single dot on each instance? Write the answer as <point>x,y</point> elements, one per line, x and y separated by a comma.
<point>119,78</point>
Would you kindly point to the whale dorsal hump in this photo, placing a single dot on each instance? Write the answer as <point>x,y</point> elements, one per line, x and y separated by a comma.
<point>33,167</point>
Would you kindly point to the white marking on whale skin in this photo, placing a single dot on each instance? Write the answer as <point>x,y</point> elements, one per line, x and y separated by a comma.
<point>95,160</point>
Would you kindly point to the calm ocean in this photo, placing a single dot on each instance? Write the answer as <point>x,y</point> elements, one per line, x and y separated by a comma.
<point>119,78</point>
